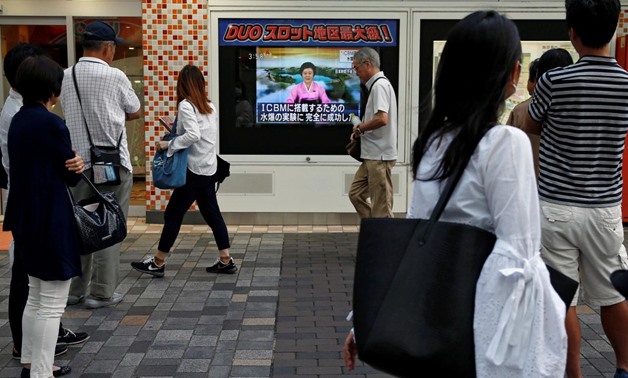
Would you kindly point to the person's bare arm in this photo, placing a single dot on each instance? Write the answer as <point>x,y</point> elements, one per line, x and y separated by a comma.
<point>350,351</point>
<point>532,126</point>
<point>379,120</point>
<point>132,116</point>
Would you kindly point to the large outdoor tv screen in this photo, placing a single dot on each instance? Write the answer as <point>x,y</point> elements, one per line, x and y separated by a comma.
<point>287,87</point>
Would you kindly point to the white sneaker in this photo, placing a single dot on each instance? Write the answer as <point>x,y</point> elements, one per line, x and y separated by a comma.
<point>92,302</point>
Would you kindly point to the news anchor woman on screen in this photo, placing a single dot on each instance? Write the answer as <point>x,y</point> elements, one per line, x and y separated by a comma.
<point>308,91</point>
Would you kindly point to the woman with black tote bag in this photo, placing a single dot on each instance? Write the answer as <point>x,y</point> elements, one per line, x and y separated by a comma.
<point>517,317</point>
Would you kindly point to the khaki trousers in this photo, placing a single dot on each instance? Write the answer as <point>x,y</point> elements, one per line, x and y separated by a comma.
<point>373,180</point>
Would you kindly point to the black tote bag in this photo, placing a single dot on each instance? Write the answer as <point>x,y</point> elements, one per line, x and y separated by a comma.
<point>414,295</point>
<point>414,292</point>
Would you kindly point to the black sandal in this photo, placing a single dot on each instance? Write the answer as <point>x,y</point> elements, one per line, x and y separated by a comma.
<point>63,370</point>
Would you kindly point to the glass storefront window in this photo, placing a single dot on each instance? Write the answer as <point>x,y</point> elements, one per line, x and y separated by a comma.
<point>129,58</point>
<point>51,38</point>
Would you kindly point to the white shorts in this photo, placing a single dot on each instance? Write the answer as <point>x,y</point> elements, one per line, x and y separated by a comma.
<point>586,244</point>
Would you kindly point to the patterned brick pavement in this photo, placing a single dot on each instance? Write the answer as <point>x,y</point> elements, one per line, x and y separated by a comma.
<point>282,314</point>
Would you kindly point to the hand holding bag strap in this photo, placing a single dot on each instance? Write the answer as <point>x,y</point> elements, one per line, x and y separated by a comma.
<point>78,94</point>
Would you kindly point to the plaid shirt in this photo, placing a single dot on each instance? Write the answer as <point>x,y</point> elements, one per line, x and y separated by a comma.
<point>106,95</point>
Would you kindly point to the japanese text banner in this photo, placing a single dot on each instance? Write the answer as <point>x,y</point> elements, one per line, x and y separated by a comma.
<point>310,32</point>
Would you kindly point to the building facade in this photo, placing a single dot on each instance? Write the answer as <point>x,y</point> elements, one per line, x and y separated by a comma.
<point>288,165</point>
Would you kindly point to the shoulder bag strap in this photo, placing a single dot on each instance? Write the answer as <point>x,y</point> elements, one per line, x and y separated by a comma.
<point>369,93</point>
<point>376,80</point>
<point>78,94</point>
<point>90,184</point>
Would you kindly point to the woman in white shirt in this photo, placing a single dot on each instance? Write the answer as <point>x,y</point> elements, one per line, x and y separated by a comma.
<point>197,130</point>
<point>519,319</point>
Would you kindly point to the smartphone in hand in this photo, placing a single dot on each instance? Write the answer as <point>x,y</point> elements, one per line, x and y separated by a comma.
<point>167,122</point>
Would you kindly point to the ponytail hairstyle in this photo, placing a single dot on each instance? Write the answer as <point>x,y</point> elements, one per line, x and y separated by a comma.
<point>469,94</point>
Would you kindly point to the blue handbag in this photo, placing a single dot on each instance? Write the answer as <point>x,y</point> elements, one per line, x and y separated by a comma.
<point>169,172</point>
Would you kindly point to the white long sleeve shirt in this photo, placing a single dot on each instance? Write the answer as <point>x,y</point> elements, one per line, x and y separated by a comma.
<point>519,319</point>
<point>198,133</point>
<point>12,105</point>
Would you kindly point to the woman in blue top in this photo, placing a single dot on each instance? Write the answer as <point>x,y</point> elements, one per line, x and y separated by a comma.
<point>39,210</point>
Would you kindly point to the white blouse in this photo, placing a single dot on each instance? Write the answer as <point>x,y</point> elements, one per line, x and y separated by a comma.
<point>198,133</point>
<point>519,320</point>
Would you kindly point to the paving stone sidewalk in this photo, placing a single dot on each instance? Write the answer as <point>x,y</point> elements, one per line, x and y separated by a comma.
<point>282,314</point>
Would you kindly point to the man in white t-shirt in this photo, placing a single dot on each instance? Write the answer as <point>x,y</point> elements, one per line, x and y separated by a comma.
<point>378,133</point>
<point>107,100</point>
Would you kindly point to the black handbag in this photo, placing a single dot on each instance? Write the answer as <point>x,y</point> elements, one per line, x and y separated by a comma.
<point>354,149</point>
<point>414,291</point>
<point>564,286</point>
<point>106,164</point>
<point>99,220</point>
<point>222,172</point>
<point>619,279</point>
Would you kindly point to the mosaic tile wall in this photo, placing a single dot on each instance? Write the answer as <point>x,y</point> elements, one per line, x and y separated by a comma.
<point>622,29</point>
<point>174,35</point>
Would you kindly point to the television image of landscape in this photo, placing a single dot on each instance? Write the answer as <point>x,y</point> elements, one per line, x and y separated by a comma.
<point>283,98</point>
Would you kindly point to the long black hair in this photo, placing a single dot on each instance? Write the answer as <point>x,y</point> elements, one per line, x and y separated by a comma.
<point>469,91</point>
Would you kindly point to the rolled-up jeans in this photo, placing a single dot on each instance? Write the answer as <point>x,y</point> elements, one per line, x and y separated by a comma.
<point>40,323</point>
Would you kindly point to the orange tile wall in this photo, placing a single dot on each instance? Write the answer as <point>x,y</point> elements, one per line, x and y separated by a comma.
<point>174,35</point>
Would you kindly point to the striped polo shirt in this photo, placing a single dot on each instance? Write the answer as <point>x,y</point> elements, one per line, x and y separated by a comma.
<point>584,111</point>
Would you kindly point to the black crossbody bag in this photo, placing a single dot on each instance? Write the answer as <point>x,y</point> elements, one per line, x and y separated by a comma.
<point>105,160</point>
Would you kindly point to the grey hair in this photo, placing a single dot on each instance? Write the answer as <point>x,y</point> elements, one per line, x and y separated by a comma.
<point>367,53</point>
<point>92,45</point>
